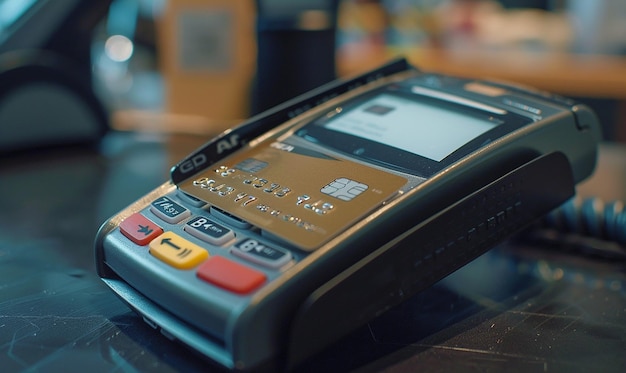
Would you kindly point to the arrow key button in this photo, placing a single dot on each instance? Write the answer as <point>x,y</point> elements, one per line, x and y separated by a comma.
<point>261,253</point>
<point>140,229</point>
<point>209,231</point>
<point>176,251</point>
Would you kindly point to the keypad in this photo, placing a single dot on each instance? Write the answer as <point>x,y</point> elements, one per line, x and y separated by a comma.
<point>171,243</point>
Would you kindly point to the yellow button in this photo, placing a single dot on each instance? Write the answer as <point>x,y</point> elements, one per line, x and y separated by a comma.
<point>177,251</point>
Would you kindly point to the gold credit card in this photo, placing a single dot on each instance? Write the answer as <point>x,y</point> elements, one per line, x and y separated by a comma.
<point>301,196</point>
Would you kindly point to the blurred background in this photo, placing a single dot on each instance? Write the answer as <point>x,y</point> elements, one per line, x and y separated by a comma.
<point>201,66</point>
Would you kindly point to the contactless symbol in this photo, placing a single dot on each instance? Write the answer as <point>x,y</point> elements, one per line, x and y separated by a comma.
<point>344,189</point>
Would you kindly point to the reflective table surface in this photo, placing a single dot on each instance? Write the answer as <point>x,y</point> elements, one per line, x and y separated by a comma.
<point>520,307</point>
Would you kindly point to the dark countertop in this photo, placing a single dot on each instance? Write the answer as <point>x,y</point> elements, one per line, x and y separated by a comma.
<point>519,307</point>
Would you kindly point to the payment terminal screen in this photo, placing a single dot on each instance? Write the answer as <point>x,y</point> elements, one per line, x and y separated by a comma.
<point>409,125</point>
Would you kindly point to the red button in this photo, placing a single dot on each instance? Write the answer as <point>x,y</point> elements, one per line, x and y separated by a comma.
<point>229,275</point>
<point>139,229</point>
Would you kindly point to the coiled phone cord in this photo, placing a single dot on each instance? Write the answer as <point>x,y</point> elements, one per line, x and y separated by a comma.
<point>591,217</point>
<point>586,226</point>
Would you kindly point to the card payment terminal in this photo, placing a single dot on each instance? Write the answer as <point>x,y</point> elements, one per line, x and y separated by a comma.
<point>281,235</point>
